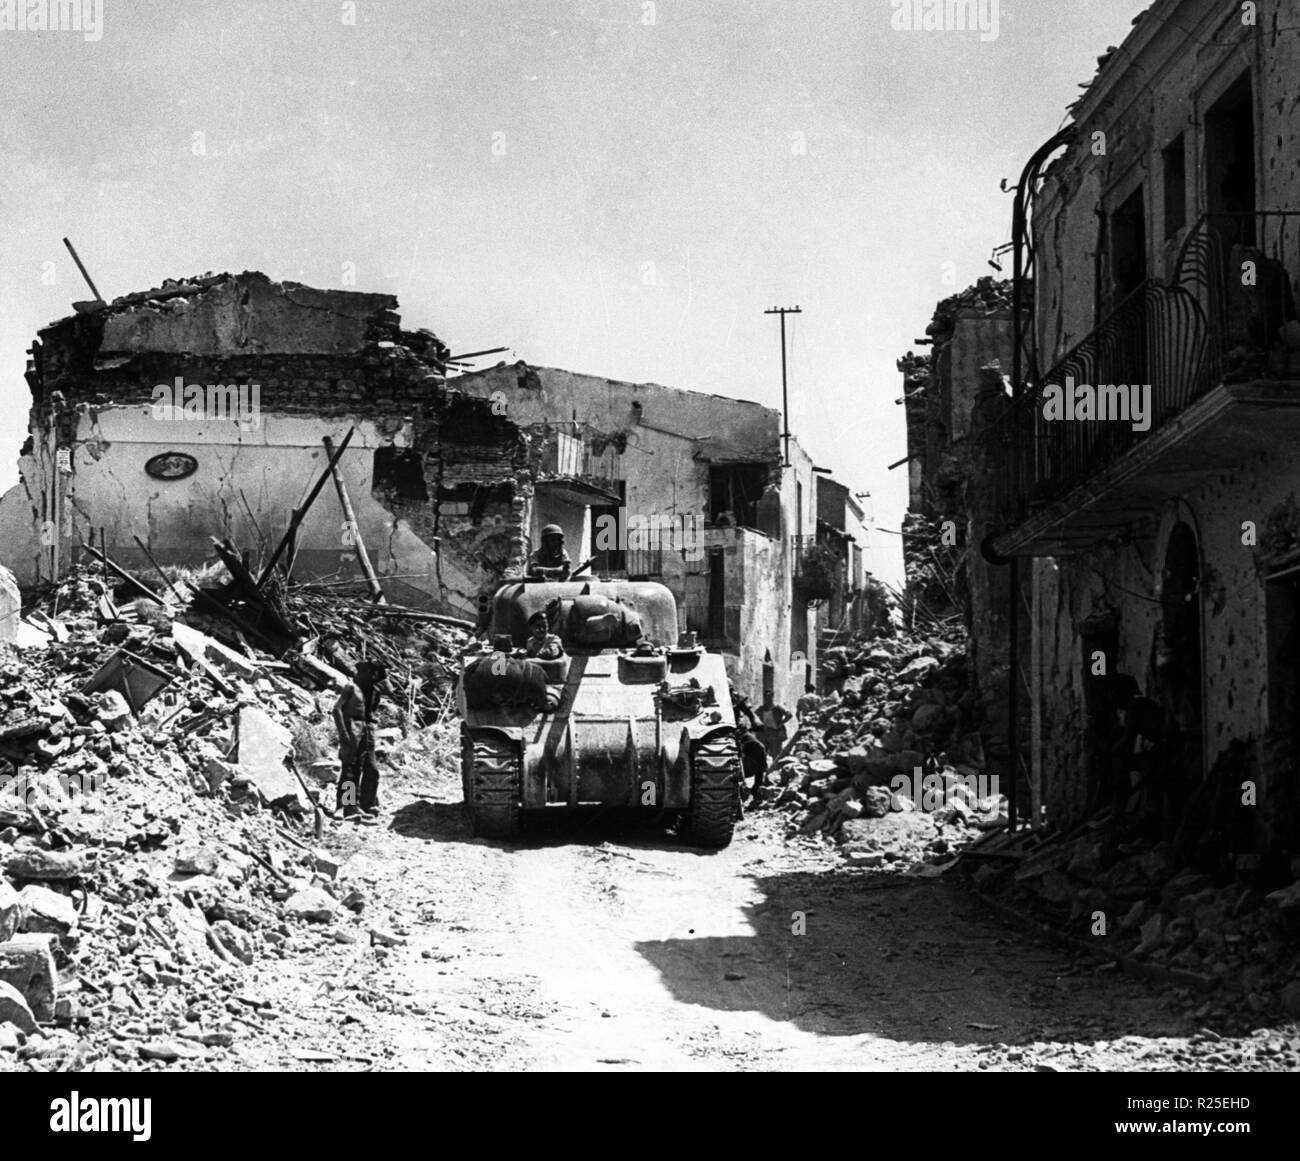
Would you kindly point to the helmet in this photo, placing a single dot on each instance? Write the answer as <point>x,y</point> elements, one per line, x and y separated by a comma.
<point>553,530</point>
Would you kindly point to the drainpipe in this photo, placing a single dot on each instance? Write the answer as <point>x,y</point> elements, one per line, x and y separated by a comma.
<point>1019,224</point>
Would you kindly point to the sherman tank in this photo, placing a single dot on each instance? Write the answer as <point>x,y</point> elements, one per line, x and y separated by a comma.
<point>630,714</point>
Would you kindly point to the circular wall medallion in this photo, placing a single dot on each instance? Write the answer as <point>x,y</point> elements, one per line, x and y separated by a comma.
<point>171,466</point>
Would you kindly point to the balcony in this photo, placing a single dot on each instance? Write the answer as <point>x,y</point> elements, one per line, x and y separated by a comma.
<point>816,567</point>
<point>630,563</point>
<point>645,563</point>
<point>1224,387</point>
<point>578,462</point>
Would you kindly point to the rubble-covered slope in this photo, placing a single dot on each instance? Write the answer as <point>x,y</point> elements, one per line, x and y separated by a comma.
<point>890,763</point>
<point>149,859</point>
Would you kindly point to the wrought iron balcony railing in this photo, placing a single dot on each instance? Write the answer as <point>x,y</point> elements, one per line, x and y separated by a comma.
<point>579,451</point>
<point>1172,341</point>
<point>816,567</point>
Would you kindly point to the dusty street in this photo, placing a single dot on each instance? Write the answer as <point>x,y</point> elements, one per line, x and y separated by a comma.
<point>594,949</point>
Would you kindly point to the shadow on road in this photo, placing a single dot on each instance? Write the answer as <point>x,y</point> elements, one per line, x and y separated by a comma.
<point>838,954</point>
<point>446,822</point>
<point>431,820</point>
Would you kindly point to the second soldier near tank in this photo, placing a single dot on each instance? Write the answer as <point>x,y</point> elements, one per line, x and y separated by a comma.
<point>542,643</point>
<point>550,562</point>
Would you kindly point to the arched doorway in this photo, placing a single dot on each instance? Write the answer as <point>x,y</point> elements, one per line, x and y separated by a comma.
<point>1177,661</point>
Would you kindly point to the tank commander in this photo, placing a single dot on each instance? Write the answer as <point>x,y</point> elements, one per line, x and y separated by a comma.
<point>550,562</point>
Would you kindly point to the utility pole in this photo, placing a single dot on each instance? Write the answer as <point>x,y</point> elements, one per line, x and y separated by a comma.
<point>785,396</point>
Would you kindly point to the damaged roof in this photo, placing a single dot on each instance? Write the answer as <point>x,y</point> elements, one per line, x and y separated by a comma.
<point>246,313</point>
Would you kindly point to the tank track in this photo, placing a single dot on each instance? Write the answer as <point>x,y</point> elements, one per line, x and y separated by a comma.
<point>492,781</point>
<point>715,791</point>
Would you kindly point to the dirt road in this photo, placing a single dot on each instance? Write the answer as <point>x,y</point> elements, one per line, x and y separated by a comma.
<point>592,949</point>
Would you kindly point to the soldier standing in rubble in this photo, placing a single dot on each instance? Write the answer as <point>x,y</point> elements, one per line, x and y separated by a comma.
<point>1149,744</point>
<point>358,793</point>
<point>753,754</point>
<point>773,731</point>
<point>550,562</point>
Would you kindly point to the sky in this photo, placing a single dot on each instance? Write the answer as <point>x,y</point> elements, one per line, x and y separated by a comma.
<point>615,187</point>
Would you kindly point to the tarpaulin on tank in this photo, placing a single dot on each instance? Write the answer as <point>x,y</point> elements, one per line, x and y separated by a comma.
<point>595,620</point>
<point>498,679</point>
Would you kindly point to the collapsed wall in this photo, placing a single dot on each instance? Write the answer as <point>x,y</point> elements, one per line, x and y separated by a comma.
<point>954,401</point>
<point>199,408</point>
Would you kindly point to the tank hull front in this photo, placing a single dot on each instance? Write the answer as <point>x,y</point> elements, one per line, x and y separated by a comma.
<point>613,740</point>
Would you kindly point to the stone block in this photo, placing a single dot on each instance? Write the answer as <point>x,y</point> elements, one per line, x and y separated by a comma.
<point>14,1009</point>
<point>877,802</point>
<point>326,772</point>
<point>112,711</point>
<point>36,864</point>
<point>196,860</point>
<point>45,911</point>
<point>311,904</point>
<point>10,607</point>
<point>914,671</point>
<point>27,964</point>
<point>1152,932</point>
<point>326,864</point>
<point>11,911</point>
<point>263,747</point>
<point>235,941</point>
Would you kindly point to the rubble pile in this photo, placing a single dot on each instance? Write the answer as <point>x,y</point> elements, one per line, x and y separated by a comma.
<point>988,294</point>
<point>891,762</point>
<point>937,586</point>
<point>1133,901</point>
<point>163,793</point>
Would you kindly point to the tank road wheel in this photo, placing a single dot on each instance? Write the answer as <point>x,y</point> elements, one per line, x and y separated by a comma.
<point>715,791</point>
<point>492,788</point>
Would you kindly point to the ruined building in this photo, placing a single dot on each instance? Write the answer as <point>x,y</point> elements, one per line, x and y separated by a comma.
<point>1152,470</point>
<point>206,407</point>
<point>952,399</point>
<point>842,536</point>
<point>691,490</point>
<point>199,409</point>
